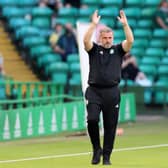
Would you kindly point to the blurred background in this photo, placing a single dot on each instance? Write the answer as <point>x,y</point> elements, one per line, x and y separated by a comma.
<point>40,65</point>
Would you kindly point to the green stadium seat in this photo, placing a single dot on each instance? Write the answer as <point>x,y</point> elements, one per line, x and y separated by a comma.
<point>133,12</point>
<point>162,80</point>
<point>132,23</point>
<point>26,11</point>
<point>119,33</point>
<point>10,12</point>
<point>118,40</point>
<point>107,12</point>
<point>160,95</point>
<point>8,3</point>
<point>149,70</point>
<point>157,43</point>
<point>85,12</point>
<point>91,3</point>
<point>41,22</point>
<point>59,78</point>
<point>27,31</point>
<point>148,13</point>
<point>162,70</point>
<point>155,52</point>
<point>141,42</point>
<point>107,3</point>
<point>27,3</point>
<point>75,79</point>
<point>63,21</point>
<point>67,12</point>
<point>164,61</point>
<point>73,58</point>
<point>142,33</point>
<point>160,33</point>
<point>135,3</point>
<point>108,22</point>
<point>57,67</point>
<point>150,60</point>
<point>148,95</point>
<point>2,88</point>
<point>33,41</point>
<point>47,59</point>
<point>41,12</point>
<point>40,15</point>
<point>40,50</point>
<point>15,23</point>
<point>75,85</point>
<point>138,52</point>
<point>153,3</point>
<point>74,68</point>
<point>127,82</point>
<point>83,20</point>
<point>145,23</point>
<point>166,53</point>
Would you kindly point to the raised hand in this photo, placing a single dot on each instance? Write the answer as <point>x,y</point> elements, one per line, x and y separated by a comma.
<point>122,18</point>
<point>95,17</point>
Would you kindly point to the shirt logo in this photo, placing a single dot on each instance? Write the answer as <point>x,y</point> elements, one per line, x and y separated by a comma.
<point>112,51</point>
<point>116,106</point>
<point>87,102</point>
<point>101,52</point>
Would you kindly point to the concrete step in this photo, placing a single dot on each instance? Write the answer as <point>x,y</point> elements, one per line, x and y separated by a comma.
<point>14,65</point>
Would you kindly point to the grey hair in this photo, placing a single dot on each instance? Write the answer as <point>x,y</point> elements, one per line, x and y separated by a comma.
<point>106,30</point>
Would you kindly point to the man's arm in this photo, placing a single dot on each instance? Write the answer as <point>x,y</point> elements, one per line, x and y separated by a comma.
<point>127,43</point>
<point>88,35</point>
<point>131,60</point>
<point>161,23</point>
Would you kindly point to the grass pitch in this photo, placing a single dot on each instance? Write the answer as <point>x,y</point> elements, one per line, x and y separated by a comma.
<point>144,144</point>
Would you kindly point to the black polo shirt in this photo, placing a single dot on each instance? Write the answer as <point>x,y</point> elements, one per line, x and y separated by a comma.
<point>105,65</point>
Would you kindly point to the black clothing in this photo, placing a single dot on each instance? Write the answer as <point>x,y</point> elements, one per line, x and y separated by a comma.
<point>130,72</point>
<point>105,65</point>
<point>107,100</point>
<point>97,156</point>
<point>74,3</point>
<point>68,43</point>
<point>103,94</point>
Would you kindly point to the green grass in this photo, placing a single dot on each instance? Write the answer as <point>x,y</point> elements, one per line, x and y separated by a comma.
<point>141,133</point>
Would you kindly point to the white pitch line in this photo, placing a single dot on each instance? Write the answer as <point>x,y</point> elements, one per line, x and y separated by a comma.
<point>80,154</point>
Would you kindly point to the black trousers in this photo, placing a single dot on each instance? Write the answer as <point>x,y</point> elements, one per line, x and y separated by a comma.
<point>107,101</point>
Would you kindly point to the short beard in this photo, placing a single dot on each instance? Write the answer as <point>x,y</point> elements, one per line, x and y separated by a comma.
<point>107,46</point>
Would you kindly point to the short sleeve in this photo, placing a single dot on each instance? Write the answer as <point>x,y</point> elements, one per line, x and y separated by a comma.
<point>120,49</point>
<point>93,49</point>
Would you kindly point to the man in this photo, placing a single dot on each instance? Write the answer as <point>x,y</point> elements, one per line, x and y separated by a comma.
<point>67,43</point>
<point>161,15</point>
<point>131,71</point>
<point>103,93</point>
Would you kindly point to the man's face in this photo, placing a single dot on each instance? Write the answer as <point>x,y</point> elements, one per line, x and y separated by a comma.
<point>106,39</point>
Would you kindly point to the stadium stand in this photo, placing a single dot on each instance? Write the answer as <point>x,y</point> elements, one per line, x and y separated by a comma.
<point>30,27</point>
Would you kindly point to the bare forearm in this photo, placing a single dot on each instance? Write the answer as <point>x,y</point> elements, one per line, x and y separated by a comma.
<point>59,50</point>
<point>127,44</point>
<point>88,34</point>
<point>87,37</point>
<point>128,33</point>
<point>161,23</point>
<point>124,64</point>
